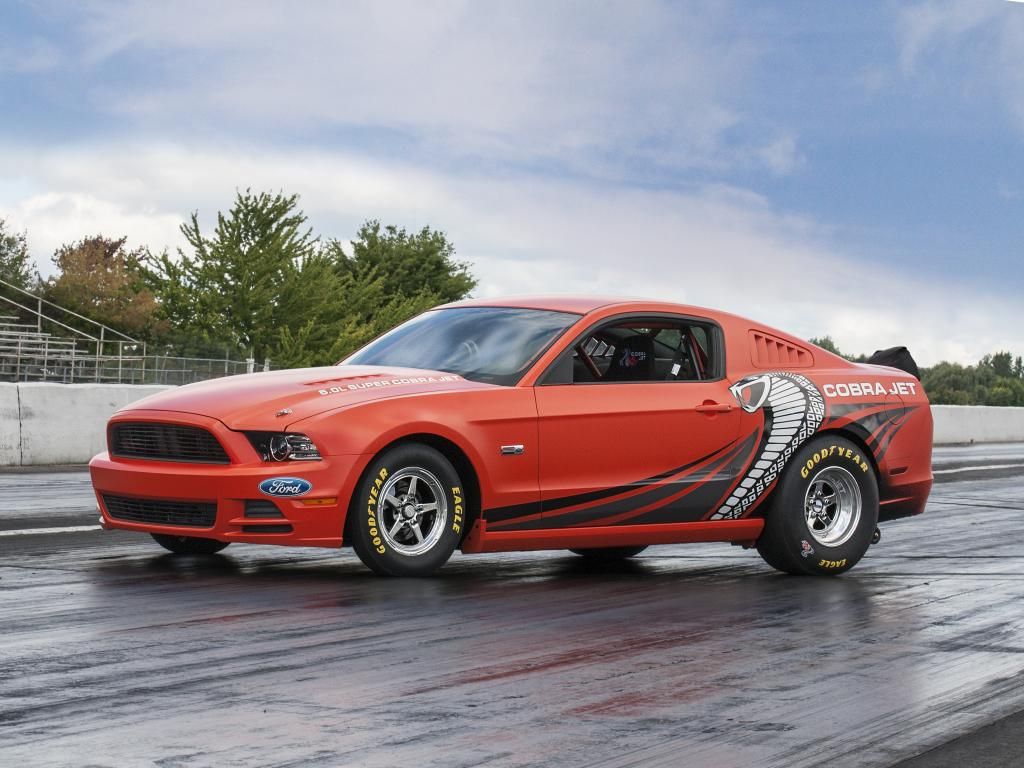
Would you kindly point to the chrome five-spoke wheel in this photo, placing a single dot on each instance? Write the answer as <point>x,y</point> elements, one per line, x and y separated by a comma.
<point>832,506</point>
<point>413,511</point>
<point>410,511</point>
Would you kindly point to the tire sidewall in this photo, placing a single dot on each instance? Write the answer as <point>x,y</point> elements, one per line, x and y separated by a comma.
<point>365,524</point>
<point>801,548</point>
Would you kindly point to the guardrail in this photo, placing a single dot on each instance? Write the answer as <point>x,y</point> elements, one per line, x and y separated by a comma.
<point>45,424</point>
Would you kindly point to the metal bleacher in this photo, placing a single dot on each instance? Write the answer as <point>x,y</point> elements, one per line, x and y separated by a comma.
<point>39,353</point>
<point>42,341</point>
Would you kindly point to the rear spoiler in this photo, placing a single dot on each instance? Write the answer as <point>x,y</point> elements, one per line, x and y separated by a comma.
<point>896,357</point>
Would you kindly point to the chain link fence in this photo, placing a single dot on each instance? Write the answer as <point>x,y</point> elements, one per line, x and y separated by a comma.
<point>21,361</point>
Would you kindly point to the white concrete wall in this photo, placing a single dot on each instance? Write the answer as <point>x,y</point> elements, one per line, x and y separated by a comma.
<point>977,424</point>
<point>10,426</point>
<point>43,423</point>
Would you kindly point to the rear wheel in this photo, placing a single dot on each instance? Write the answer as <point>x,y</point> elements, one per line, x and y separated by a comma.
<point>824,512</point>
<point>408,514</point>
<point>189,545</point>
<point>609,553</point>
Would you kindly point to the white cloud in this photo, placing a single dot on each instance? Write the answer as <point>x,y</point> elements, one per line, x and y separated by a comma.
<point>58,217</point>
<point>927,25</point>
<point>933,31</point>
<point>781,156</point>
<point>718,246</point>
<point>26,56</point>
<point>591,86</point>
<point>606,91</point>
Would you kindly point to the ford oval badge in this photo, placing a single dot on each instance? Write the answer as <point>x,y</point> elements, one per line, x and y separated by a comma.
<point>286,486</point>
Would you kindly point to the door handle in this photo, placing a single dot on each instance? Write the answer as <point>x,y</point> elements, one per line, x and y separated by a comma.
<point>709,406</point>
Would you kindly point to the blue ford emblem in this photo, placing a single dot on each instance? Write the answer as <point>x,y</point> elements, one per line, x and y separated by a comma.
<point>286,486</point>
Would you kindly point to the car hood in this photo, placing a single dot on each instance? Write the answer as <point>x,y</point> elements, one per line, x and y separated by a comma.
<point>272,400</point>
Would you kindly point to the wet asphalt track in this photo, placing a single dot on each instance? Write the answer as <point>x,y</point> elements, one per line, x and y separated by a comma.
<point>112,653</point>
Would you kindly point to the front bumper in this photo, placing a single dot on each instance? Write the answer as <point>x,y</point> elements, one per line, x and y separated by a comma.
<point>315,519</point>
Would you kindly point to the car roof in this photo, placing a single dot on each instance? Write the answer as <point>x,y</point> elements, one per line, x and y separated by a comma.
<point>581,305</point>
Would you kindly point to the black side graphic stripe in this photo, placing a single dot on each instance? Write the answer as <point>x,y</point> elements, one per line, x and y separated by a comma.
<point>499,514</point>
<point>685,501</point>
<point>582,498</point>
<point>845,409</point>
<point>884,440</point>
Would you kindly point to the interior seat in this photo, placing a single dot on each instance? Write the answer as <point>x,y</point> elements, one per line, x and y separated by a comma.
<point>633,360</point>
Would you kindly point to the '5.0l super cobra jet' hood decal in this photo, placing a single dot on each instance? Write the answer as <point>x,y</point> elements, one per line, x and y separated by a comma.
<point>272,400</point>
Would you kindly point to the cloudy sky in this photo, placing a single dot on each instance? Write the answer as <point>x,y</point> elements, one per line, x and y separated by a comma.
<point>848,169</point>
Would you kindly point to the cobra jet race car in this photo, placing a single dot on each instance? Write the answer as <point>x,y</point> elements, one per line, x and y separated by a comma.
<point>596,425</point>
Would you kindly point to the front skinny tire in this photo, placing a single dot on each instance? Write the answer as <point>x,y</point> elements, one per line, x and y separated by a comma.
<point>409,512</point>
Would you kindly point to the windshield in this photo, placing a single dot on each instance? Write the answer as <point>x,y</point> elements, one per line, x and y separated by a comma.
<point>490,344</point>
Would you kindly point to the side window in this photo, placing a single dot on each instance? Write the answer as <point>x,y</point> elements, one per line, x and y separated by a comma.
<point>640,350</point>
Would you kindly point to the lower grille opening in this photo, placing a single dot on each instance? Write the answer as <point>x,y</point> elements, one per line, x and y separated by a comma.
<point>273,528</point>
<point>262,509</point>
<point>190,514</point>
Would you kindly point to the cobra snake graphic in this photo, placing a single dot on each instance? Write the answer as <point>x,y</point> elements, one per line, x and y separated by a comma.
<point>794,409</point>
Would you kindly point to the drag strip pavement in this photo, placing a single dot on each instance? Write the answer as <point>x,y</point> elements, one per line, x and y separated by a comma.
<point>978,460</point>
<point>114,653</point>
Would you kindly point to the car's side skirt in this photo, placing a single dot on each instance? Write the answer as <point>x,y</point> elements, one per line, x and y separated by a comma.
<point>482,540</point>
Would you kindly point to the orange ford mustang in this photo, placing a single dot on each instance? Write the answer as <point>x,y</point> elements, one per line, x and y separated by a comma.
<point>600,426</point>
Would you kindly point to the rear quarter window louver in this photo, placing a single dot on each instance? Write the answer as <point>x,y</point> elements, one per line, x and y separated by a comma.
<point>768,351</point>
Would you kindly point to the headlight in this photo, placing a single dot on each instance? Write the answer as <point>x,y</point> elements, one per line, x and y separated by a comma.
<point>278,446</point>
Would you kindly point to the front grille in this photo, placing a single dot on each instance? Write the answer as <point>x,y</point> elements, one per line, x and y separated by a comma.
<point>192,514</point>
<point>165,442</point>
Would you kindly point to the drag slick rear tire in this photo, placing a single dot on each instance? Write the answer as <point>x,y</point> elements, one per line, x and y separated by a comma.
<point>609,553</point>
<point>189,545</point>
<point>824,513</point>
<point>408,513</point>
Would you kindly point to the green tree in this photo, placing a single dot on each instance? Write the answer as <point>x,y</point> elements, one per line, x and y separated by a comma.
<point>262,282</point>
<point>1001,363</point>
<point>410,264</point>
<point>370,309</point>
<point>240,285</point>
<point>101,279</point>
<point>15,262</point>
<point>995,380</point>
<point>826,343</point>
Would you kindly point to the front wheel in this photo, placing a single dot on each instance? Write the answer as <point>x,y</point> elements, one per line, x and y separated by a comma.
<point>824,513</point>
<point>189,545</point>
<point>409,512</point>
